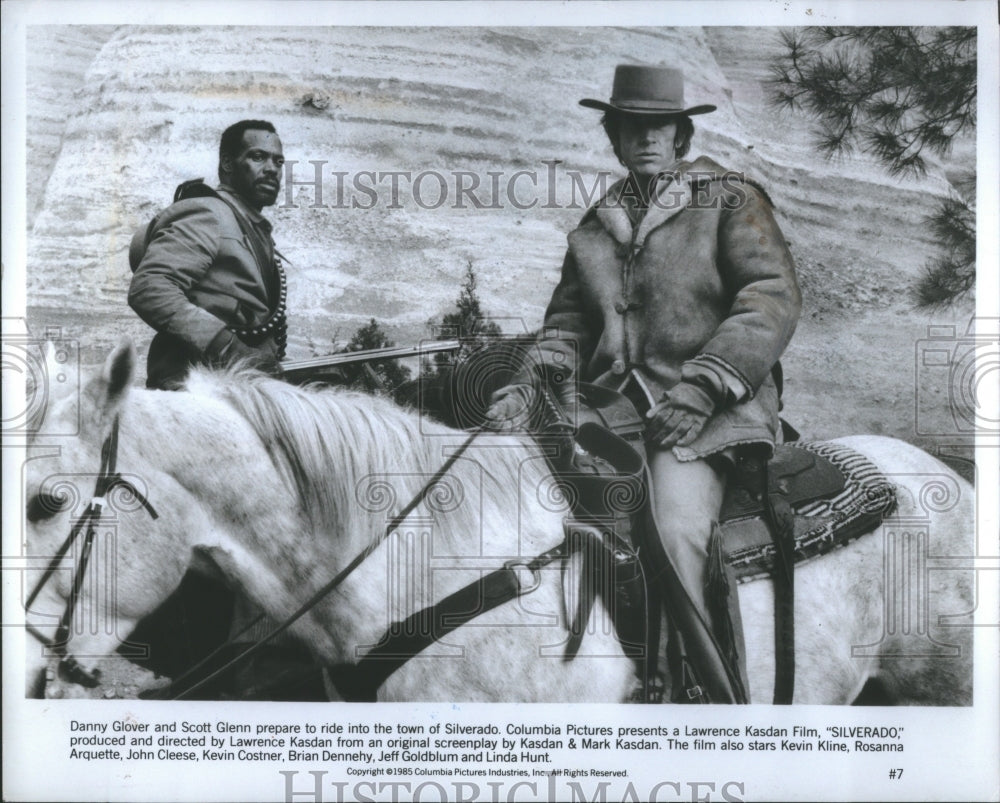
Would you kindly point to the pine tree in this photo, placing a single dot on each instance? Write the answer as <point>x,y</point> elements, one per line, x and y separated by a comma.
<point>896,94</point>
<point>380,376</point>
<point>952,274</point>
<point>467,323</point>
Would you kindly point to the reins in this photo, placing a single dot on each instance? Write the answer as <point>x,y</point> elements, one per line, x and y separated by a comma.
<point>326,589</point>
<point>363,679</point>
<point>107,479</point>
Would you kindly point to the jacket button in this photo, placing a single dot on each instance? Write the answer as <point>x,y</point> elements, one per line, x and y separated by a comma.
<point>621,307</point>
<point>618,367</point>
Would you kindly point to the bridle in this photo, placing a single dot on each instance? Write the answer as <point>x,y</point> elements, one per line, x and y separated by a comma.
<point>108,478</point>
<point>357,681</point>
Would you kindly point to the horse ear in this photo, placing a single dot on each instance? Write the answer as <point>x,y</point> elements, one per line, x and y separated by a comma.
<point>109,389</point>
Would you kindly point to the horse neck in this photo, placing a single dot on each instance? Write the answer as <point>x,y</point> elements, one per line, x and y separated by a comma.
<point>202,447</point>
<point>280,472</point>
<point>360,459</point>
<point>343,456</point>
<point>173,433</point>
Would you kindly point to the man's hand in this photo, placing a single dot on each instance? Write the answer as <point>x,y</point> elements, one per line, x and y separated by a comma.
<point>510,408</point>
<point>226,349</point>
<point>680,416</point>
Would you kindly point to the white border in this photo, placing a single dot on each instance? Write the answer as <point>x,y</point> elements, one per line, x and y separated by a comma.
<point>962,745</point>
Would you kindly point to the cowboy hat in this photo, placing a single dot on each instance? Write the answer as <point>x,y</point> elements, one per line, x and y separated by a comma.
<point>643,89</point>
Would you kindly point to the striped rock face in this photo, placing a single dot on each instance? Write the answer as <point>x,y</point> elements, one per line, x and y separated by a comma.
<point>493,163</point>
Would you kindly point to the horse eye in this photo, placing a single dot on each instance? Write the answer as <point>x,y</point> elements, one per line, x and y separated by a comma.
<point>44,506</point>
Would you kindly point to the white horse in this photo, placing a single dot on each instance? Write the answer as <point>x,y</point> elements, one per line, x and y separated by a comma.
<point>279,488</point>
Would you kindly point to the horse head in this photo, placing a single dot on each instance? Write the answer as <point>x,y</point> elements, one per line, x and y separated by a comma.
<point>283,490</point>
<point>91,498</point>
<point>160,482</point>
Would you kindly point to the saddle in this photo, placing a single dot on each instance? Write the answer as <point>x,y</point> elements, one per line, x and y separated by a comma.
<point>807,500</point>
<point>834,493</point>
<point>606,552</point>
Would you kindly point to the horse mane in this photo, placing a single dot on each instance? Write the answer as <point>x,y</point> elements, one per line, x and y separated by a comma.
<point>341,452</point>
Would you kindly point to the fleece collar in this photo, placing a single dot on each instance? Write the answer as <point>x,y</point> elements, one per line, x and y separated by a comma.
<point>672,194</point>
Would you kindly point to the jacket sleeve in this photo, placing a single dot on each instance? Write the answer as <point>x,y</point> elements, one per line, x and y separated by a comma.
<point>565,340</point>
<point>179,255</point>
<point>759,271</point>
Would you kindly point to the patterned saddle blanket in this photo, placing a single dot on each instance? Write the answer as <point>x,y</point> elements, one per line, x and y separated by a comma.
<point>836,494</point>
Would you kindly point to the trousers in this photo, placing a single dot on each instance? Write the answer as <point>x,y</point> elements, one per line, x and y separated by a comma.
<point>686,498</point>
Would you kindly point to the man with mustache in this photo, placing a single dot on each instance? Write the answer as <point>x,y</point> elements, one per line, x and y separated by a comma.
<point>206,276</point>
<point>207,279</point>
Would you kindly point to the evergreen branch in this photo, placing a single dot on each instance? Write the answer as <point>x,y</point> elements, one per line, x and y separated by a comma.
<point>944,281</point>
<point>895,93</point>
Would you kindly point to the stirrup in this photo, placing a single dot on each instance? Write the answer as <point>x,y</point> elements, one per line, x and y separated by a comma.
<point>688,690</point>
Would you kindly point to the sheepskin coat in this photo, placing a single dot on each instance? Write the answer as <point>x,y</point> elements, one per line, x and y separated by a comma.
<point>700,283</point>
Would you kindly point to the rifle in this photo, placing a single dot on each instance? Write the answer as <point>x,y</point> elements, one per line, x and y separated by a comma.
<point>301,370</point>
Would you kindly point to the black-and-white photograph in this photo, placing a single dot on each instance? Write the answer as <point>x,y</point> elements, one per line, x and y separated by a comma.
<point>373,370</point>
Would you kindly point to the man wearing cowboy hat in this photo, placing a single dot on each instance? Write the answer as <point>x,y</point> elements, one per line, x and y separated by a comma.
<point>679,291</point>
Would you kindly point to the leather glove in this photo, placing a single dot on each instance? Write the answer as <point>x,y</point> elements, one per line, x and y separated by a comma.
<point>510,408</point>
<point>680,416</point>
<point>226,349</point>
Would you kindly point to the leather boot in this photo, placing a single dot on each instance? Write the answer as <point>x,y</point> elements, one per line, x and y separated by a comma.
<point>723,605</point>
<point>717,680</point>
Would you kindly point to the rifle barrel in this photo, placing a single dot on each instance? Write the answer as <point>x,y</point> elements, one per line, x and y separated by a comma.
<point>369,355</point>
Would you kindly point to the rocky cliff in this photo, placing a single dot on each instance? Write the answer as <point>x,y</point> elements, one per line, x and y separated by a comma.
<point>127,113</point>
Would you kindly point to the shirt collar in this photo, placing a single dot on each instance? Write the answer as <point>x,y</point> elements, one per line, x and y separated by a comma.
<point>255,217</point>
